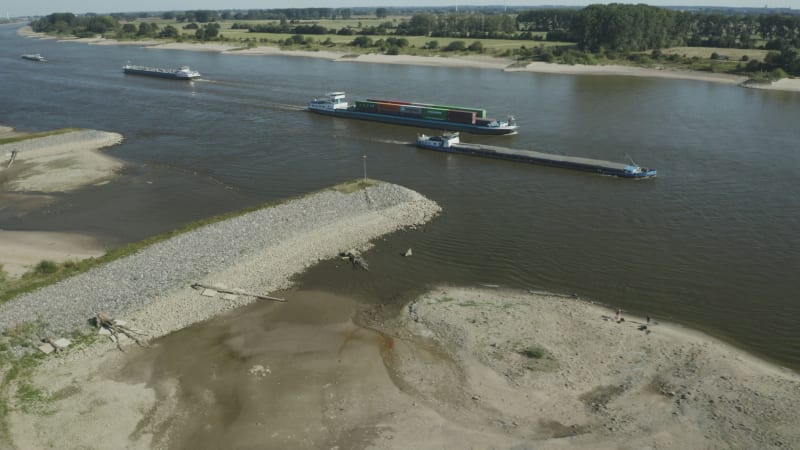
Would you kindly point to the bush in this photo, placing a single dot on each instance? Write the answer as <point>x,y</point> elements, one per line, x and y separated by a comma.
<point>456,46</point>
<point>476,46</point>
<point>777,74</point>
<point>532,352</point>
<point>45,267</point>
<point>362,41</point>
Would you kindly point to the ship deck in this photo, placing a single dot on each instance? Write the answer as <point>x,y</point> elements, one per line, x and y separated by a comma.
<point>534,155</point>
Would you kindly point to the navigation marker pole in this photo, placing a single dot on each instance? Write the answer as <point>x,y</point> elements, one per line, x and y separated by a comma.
<point>365,167</point>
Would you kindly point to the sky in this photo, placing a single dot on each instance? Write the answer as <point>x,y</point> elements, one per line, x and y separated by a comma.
<point>19,8</point>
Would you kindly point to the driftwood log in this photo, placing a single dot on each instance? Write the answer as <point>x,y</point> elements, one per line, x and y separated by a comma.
<point>355,259</point>
<point>237,292</point>
<point>104,321</point>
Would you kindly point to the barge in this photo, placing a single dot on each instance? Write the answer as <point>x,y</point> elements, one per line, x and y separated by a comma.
<point>450,143</point>
<point>424,115</point>
<point>183,73</point>
<point>34,57</point>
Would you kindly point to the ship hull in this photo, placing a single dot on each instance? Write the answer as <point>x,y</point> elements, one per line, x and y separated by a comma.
<point>416,122</point>
<point>167,75</point>
<point>545,159</point>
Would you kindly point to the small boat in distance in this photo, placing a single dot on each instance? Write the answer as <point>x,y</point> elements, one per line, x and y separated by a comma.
<point>423,115</point>
<point>450,143</point>
<point>34,57</point>
<point>183,73</point>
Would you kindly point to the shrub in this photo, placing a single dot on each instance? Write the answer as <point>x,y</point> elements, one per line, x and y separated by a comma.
<point>532,352</point>
<point>456,46</point>
<point>45,267</point>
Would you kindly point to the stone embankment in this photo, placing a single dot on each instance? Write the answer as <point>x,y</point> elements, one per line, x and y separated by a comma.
<point>256,252</point>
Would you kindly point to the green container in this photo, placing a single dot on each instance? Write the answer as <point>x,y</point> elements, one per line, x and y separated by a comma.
<point>366,106</point>
<point>436,114</point>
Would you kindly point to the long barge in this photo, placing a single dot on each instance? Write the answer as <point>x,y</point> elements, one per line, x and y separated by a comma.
<point>183,73</point>
<point>424,115</point>
<point>34,57</point>
<point>450,143</point>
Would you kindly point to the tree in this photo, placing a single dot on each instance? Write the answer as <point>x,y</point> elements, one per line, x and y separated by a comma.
<point>362,41</point>
<point>455,46</point>
<point>102,24</point>
<point>169,32</point>
<point>381,13</point>
<point>147,29</point>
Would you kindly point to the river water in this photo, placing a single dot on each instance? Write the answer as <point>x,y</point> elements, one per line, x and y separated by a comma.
<point>711,243</point>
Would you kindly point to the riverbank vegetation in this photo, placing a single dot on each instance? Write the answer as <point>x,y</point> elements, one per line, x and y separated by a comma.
<point>48,272</point>
<point>762,45</point>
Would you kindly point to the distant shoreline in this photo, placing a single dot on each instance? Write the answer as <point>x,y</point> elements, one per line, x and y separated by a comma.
<point>466,61</point>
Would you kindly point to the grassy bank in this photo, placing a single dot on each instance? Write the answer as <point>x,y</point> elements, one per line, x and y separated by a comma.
<point>26,137</point>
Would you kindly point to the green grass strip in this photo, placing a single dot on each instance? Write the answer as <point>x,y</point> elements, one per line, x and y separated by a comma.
<point>48,272</point>
<point>25,137</point>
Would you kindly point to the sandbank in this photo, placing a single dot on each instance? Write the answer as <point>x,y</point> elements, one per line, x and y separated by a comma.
<point>20,251</point>
<point>784,84</point>
<point>458,368</point>
<point>43,166</point>
<point>58,163</point>
<point>581,69</point>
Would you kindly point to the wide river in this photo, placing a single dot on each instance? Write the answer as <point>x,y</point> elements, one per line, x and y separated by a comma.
<point>711,243</point>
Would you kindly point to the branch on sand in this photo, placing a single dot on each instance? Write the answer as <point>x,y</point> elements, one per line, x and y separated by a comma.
<point>116,327</point>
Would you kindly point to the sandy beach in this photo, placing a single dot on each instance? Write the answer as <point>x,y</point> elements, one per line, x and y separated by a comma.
<point>457,368</point>
<point>464,61</point>
<point>42,166</point>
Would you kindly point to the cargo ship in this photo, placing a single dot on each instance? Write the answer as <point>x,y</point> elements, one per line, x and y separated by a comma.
<point>441,117</point>
<point>34,57</point>
<point>451,143</point>
<point>183,73</point>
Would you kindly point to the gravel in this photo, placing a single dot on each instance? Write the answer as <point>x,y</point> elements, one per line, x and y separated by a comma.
<point>259,251</point>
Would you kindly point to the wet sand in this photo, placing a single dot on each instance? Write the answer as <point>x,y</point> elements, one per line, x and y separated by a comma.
<point>451,371</point>
<point>20,251</point>
<point>43,166</point>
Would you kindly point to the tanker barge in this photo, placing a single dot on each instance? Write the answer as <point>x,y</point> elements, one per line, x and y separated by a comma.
<point>450,143</point>
<point>438,117</point>
<point>183,73</point>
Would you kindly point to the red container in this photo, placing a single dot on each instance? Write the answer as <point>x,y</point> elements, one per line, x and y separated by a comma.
<point>388,108</point>
<point>393,102</point>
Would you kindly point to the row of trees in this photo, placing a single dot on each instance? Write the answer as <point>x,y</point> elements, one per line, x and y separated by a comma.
<point>605,30</point>
<point>80,26</point>
<point>641,27</point>
<point>459,25</point>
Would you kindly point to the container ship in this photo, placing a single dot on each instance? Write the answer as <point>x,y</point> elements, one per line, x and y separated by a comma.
<point>452,118</point>
<point>183,73</point>
<point>451,143</point>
